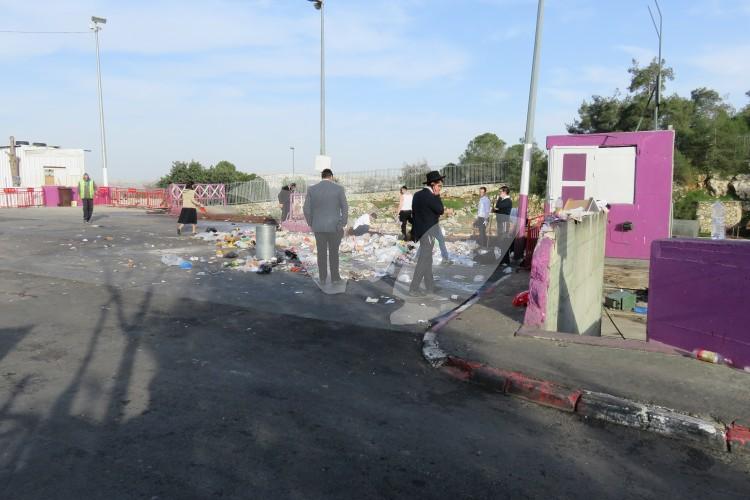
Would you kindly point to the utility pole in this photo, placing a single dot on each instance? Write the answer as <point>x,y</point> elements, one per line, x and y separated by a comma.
<point>322,161</point>
<point>14,170</point>
<point>657,92</point>
<point>523,195</point>
<point>322,81</point>
<point>96,28</point>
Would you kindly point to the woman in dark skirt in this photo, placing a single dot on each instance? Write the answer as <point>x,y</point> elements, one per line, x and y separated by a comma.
<point>189,213</point>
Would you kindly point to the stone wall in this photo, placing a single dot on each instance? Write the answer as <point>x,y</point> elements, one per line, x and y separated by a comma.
<point>732,214</point>
<point>567,277</point>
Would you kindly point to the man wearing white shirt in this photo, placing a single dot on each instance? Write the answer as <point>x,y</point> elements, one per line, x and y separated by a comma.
<point>483,213</point>
<point>362,224</point>
<point>404,209</point>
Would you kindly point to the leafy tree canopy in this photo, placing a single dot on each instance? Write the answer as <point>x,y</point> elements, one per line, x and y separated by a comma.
<point>484,148</point>
<point>710,136</point>
<point>223,172</point>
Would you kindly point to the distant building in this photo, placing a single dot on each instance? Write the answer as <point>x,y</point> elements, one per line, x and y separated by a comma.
<point>40,165</point>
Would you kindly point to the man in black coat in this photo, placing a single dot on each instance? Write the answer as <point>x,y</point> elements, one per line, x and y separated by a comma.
<point>426,211</point>
<point>505,227</point>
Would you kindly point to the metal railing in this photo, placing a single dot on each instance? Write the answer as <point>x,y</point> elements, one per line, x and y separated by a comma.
<point>266,188</point>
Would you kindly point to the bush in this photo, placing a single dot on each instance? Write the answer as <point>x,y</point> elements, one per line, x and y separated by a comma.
<point>686,206</point>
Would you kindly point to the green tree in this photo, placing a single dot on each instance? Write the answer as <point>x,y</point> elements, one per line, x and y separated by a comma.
<point>182,172</point>
<point>708,132</point>
<point>538,178</point>
<point>223,172</point>
<point>485,148</point>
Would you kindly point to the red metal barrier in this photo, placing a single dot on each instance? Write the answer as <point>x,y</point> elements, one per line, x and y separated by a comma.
<point>137,198</point>
<point>533,226</point>
<point>21,197</point>
<point>102,196</point>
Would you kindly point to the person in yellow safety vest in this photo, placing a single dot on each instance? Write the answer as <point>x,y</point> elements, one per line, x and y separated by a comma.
<point>86,191</point>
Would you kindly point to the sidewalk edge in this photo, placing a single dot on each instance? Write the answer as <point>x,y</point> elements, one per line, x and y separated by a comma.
<point>589,405</point>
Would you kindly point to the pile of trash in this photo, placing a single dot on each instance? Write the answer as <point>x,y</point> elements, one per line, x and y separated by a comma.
<point>368,257</point>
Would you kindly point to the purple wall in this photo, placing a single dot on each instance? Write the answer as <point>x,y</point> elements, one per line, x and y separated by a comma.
<point>698,296</point>
<point>51,196</point>
<point>652,210</point>
<point>536,310</point>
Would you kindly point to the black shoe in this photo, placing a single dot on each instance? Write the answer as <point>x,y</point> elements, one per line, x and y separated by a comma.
<point>179,232</point>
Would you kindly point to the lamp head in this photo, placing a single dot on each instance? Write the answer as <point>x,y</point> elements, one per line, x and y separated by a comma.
<point>98,20</point>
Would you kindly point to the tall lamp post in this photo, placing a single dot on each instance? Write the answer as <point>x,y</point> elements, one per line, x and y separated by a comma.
<point>322,161</point>
<point>292,148</point>
<point>657,92</point>
<point>97,22</point>
<point>523,195</point>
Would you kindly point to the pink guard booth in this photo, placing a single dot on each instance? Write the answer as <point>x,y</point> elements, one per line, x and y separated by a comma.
<point>631,171</point>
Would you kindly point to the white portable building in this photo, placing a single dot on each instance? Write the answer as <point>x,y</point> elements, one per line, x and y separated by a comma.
<point>41,165</point>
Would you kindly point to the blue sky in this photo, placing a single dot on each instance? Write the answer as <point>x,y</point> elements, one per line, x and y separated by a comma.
<point>407,79</point>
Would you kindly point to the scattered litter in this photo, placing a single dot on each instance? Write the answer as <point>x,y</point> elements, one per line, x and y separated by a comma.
<point>459,277</point>
<point>404,278</point>
<point>371,300</point>
<point>390,301</point>
<point>265,268</point>
<point>186,265</point>
<point>521,299</point>
<point>454,297</point>
<point>72,248</point>
<point>479,278</point>
<point>508,270</point>
<point>298,292</point>
<point>193,258</point>
<point>172,260</point>
<point>85,240</point>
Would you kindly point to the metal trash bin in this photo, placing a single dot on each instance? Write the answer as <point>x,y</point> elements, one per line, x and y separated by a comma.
<point>265,241</point>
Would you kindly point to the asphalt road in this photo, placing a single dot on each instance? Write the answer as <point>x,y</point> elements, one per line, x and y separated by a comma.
<point>116,390</point>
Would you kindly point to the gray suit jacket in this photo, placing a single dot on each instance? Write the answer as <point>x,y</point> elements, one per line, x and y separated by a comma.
<point>326,209</point>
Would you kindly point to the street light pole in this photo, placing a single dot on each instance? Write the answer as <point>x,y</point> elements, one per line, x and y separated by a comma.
<point>523,195</point>
<point>292,148</point>
<point>98,21</point>
<point>322,161</point>
<point>657,92</point>
<point>322,81</point>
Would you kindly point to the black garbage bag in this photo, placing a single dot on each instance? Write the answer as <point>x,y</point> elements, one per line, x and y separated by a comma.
<point>265,268</point>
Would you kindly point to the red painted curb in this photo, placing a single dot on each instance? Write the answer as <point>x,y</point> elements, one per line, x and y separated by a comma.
<point>462,364</point>
<point>738,438</point>
<point>492,378</point>
<point>543,392</point>
<point>455,373</point>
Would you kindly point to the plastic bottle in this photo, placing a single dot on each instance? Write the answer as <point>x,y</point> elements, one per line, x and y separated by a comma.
<point>718,231</point>
<point>711,357</point>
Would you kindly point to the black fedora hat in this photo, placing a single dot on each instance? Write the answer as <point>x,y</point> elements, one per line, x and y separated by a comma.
<point>433,176</point>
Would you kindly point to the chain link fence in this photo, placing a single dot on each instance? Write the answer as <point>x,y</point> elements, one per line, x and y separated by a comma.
<point>267,187</point>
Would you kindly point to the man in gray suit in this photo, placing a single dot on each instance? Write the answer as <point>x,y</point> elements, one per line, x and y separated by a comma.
<point>326,212</point>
